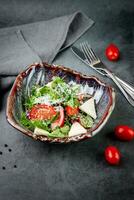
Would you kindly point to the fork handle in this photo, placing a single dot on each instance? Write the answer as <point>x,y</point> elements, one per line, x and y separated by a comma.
<point>125,84</point>
<point>125,88</point>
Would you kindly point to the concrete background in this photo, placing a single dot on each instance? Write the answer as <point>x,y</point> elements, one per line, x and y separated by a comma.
<point>73,171</point>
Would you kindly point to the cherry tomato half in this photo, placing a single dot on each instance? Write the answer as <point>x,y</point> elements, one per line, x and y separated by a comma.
<point>112,52</point>
<point>112,155</point>
<point>60,121</point>
<point>71,110</point>
<point>124,132</point>
<point>42,112</point>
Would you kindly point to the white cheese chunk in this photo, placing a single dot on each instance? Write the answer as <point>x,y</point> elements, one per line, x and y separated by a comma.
<point>89,108</point>
<point>49,84</point>
<point>39,131</point>
<point>76,129</point>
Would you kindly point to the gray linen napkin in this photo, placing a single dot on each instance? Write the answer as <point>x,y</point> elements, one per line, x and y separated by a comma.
<point>23,45</point>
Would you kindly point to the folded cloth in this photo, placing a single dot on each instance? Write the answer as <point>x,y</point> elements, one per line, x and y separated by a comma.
<point>23,45</point>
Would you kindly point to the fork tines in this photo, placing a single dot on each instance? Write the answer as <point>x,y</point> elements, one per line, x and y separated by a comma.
<point>89,53</point>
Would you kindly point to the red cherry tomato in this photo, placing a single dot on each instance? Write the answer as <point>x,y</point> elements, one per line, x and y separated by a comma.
<point>124,132</point>
<point>42,112</point>
<point>60,121</point>
<point>112,155</point>
<point>112,52</point>
<point>72,110</point>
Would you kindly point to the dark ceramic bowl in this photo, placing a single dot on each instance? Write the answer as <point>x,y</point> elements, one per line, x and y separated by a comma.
<point>42,73</point>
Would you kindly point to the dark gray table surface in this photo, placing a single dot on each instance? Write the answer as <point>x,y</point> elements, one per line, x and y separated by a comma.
<point>74,171</point>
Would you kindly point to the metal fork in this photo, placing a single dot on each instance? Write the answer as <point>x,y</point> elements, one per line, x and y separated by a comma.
<point>95,62</point>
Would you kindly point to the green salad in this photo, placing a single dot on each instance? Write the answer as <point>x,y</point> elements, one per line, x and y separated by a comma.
<point>58,109</point>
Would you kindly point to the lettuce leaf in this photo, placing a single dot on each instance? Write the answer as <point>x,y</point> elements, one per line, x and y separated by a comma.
<point>60,132</point>
<point>26,122</point>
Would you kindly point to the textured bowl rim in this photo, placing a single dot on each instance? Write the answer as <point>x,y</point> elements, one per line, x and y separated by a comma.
<point>17,84</point>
